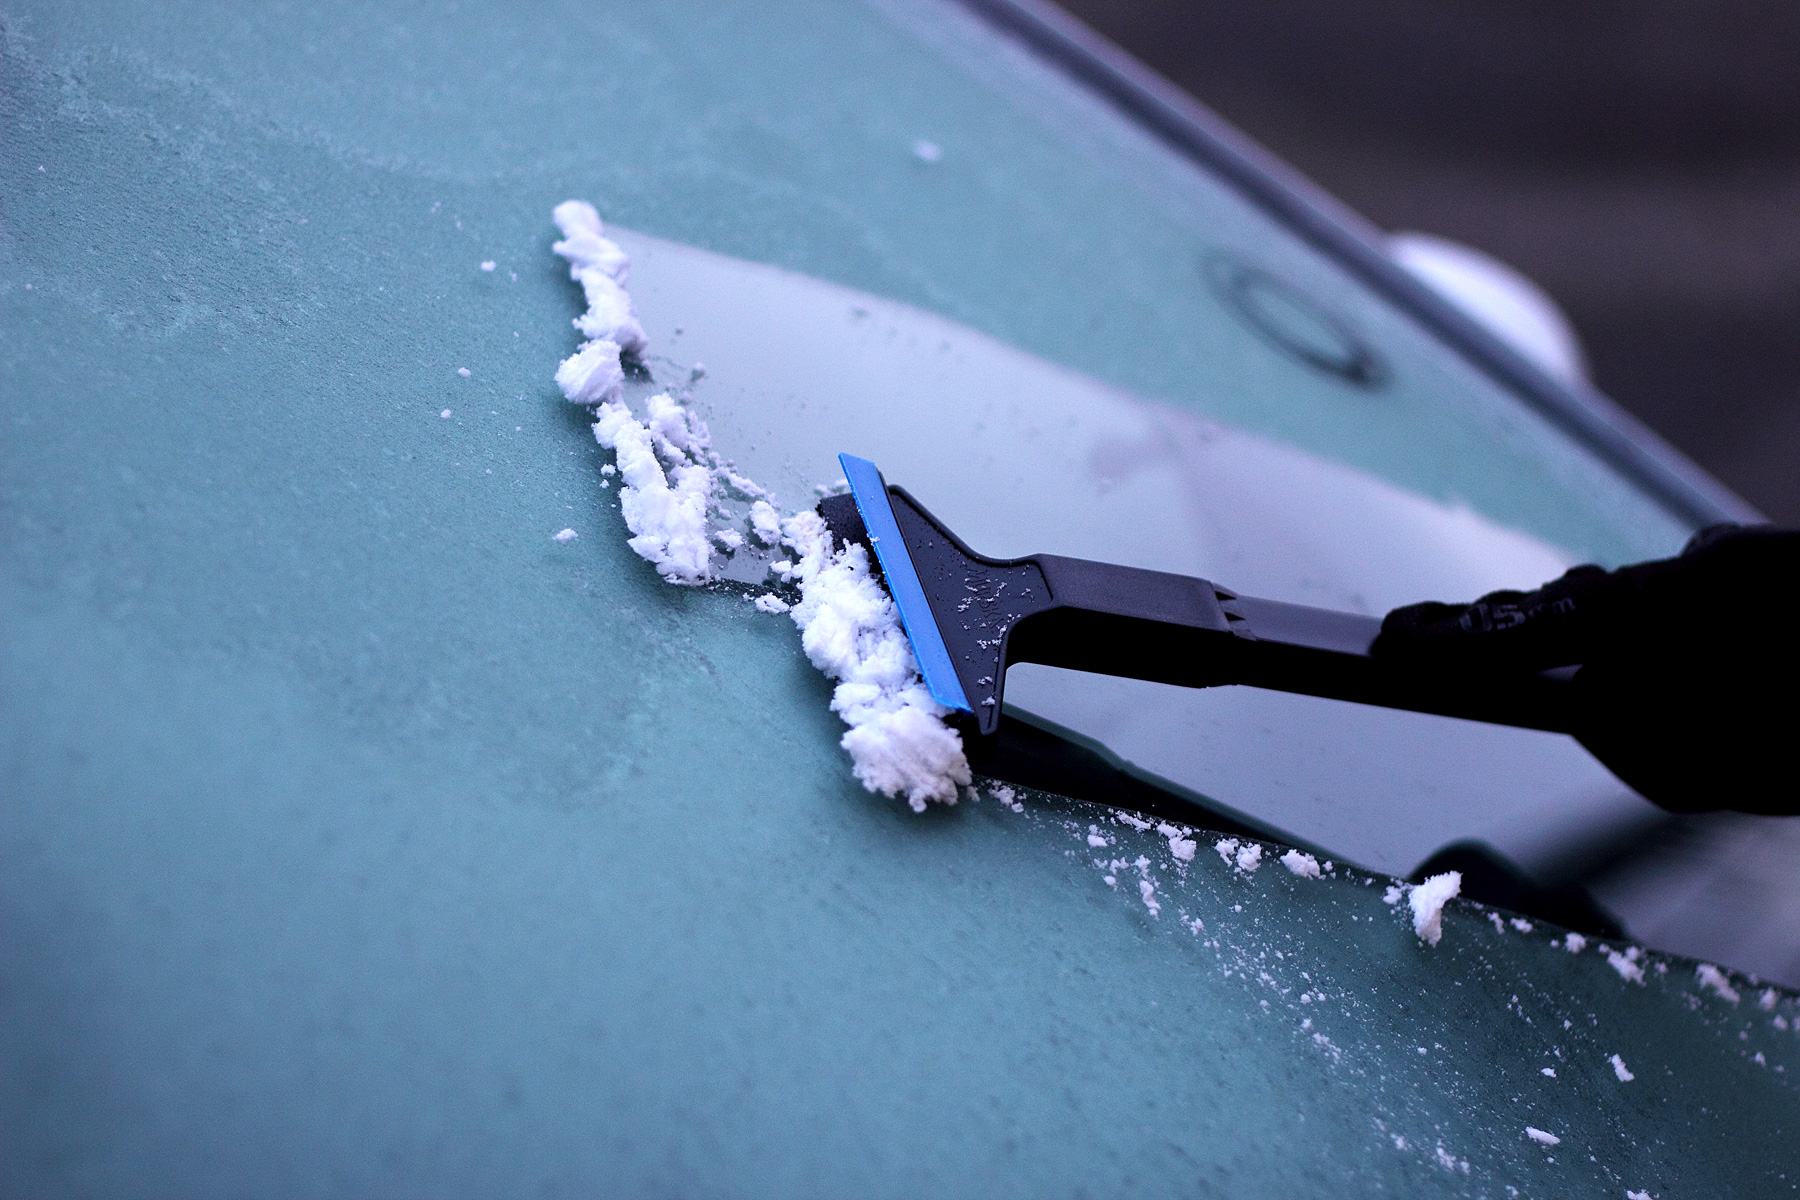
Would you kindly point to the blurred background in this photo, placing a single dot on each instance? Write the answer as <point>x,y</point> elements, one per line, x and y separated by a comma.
<point>1638,159</point>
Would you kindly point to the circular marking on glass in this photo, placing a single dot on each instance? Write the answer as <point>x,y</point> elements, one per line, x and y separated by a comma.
<point>1294,323</point>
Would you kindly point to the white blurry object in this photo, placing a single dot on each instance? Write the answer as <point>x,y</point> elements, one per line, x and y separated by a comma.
<point>1502,299</point>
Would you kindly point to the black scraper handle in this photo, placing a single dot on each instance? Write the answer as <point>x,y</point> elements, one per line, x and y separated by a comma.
<point>1181,630</point>
<point>1125,621</point>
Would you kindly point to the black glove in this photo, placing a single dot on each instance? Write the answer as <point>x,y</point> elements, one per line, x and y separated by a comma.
<point>1688,665</point>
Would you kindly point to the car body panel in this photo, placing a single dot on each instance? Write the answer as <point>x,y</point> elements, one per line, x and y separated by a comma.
<point>360,838</point>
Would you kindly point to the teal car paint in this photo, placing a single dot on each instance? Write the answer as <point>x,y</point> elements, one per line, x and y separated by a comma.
<point>359,837</point>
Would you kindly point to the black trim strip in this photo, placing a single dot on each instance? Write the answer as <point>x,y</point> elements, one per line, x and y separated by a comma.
<point>1630,447</point>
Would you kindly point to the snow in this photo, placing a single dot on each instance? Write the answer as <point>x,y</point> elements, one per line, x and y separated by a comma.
<point>1714,979</point>
<point>898,741</point>
<point>1619,1069</point>
<point>1303,865</point>
<point>1428,900</point>
<point>1394,894</point>
<point>463,371</point>
<point>1096,839</point>
<point>1180,844</point>
<point>564,536</point>
<point>665,503</point>
<point>1631,1195</point>
<point>1245,856</point>
<point>1626,964</point>
<point>673,484</point>
<point>1147,890</point>
<point>765,523</point>
<point>1522,925</point>
<point>592,375</point>
<point>488,264</point>
<point>1767,1000</point>
<point>1548,1072</point>
<point>929,152</point>
<point>1574,943</point>
<point>1542,1138</point>
<point>445,414</point>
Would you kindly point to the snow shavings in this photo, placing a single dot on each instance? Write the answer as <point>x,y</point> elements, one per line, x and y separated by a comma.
<point>1428,900</point>
<point>1574,943</point>
<point>1522,925</point>
<point>1449,1161</point>
<point>1620,1070</point>
<point>1394,894</point>
<point>489,265</point>
<point>1245,856</point>
<point>1548,1072</point>
<point>674,485</point>
<point>1541,1138</point>
<point>1767,1000</point>
<point>1147,890</point>
<point>668,490</point>
<point>1180,844</point>
<point>1096,839</point>
<point>1303,865</point>
<point>897,740</point>
<point>1712,978</point>
<point>1625,964</point>
<point>565,536</point>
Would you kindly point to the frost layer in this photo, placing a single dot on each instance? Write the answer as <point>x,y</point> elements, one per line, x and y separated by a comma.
<point>673,486</point>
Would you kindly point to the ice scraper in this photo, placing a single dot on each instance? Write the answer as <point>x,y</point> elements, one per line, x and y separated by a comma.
<point>969,617</point>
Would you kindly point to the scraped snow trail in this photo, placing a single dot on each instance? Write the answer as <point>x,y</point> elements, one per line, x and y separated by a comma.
<point>686,509</point>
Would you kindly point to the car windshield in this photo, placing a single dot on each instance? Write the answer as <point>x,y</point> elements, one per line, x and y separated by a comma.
<point>371,804</point>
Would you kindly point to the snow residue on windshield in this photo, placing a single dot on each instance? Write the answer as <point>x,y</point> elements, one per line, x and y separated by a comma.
<point>690,515</point>
<point>1428,900</point>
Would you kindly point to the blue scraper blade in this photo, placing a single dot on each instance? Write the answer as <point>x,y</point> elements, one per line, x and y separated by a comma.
<point>870,493</point>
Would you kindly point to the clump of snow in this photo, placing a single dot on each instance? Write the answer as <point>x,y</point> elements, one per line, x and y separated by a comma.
<point>1631,1195</point>
<point>1713,978</point>
<point>1574,943</point>
<point>1393,895</point>
<point>1147,890</point>
<point>1625,964</point>
<point>765,523</point>
<point>1548,1072</point>
<point>1542,1138</point>
<point>594,374</point>
<point>929,152</point>
<point>667,490</point>
<point>1180,844</point>
<point>463,371</point>
<point>1522,925</point>
<point>1245,856</point>
<point>1428,900</point>
<point>769,602</point>
<point>445,414</point>
<point>1619,1069</point>
<point>490,264</point>
<point>1303,865</point>
<point>564,536</point>
<point>1096,839</point>
<point>850,630</point>
<point>1767,1000</point>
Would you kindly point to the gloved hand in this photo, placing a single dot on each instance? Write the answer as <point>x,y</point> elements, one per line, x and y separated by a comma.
<point>1689,665</point>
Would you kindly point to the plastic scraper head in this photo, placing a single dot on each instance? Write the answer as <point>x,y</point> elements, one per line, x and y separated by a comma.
<point>958,608</point>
